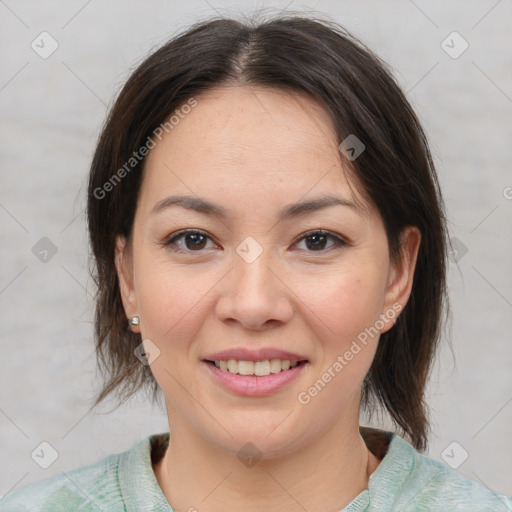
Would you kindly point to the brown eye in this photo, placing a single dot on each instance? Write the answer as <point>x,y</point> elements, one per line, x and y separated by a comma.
<point>194,241</point>
<point>187,241</point>
<point>316,241</point>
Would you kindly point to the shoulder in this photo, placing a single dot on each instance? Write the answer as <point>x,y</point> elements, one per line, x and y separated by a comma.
<point>88,488</point>
<point>451,491</point>
<point>425,484</point>
<point>78,489</point>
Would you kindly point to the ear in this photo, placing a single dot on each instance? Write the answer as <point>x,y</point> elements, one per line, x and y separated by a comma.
<point>124,267</point>
<point>401,273</point>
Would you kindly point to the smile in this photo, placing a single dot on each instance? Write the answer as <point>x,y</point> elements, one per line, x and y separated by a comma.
<point>258,368</point>
<point>255,378</point>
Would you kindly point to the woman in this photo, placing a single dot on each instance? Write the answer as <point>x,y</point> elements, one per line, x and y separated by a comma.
<point>270,245</point>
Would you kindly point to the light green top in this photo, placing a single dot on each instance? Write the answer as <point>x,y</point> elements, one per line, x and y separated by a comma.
<point>405,481</point>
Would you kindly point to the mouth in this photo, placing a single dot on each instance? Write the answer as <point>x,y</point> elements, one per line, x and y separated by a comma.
<point>262,368</point>
<point>255,378</point>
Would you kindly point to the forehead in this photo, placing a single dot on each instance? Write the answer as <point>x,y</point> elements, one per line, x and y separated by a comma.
<point>250,140</point>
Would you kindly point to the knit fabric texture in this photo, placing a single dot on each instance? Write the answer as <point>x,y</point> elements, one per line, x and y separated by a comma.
<point>405,481</point>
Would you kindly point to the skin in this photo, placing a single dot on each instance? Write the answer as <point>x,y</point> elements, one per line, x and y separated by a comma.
<point>254,150</point>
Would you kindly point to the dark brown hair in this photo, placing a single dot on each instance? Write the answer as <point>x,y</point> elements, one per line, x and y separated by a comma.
<point>395,173</point>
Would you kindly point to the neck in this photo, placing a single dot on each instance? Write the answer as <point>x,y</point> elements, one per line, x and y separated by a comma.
<point>325,475</point>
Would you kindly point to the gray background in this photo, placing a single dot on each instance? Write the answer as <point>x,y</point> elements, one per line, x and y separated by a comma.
<point>51,111</point>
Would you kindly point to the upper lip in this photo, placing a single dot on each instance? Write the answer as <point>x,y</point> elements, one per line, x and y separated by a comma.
<point>244,354</point>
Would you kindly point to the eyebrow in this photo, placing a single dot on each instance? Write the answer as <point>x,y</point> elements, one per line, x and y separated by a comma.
<point>216,210</point>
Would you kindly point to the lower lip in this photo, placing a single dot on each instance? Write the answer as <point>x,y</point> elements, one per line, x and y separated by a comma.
<point>251,385</point>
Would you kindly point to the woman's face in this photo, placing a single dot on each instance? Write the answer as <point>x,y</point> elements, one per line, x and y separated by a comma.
<point>258,277</point>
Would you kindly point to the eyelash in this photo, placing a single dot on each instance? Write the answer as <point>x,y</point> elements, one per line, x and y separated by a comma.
<point>171,240</point>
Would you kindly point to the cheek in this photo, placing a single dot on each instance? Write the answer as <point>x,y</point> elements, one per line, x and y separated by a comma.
<point>346,301</point>
<point>173,304</point>
<point>343,311</point>
<point>170,300</point>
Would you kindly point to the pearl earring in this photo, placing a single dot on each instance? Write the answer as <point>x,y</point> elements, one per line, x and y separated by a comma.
<point>134,320</point>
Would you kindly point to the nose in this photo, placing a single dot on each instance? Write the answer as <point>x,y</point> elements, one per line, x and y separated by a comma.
<point>254,295</point>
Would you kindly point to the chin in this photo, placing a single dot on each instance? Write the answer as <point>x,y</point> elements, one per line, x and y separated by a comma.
<point>263,441</point>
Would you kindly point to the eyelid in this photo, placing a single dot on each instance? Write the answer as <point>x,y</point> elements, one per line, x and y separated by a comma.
<point>185,231</point>
<point>339,241</point>
<point>170,239</point>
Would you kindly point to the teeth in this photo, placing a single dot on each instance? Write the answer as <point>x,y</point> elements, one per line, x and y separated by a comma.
<point>258,368</point>
<point>245,368</point>
<point>262,368</point>
<point>275,365</point>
